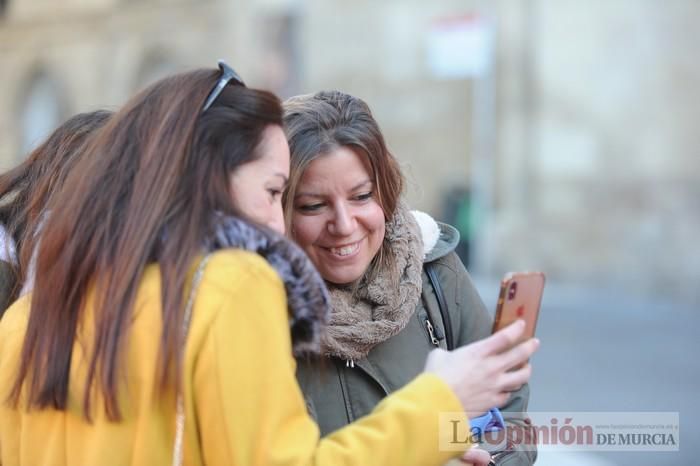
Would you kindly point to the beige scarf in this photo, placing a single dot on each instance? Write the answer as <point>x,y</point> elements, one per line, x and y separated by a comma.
<point>381,306</point>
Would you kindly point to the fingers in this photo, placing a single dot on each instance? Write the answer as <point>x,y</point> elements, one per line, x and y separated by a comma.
<point>512,381</point>
<point>501,399</point>
<point>518,354</point>
<point>476,456</point>
<point>501,340</point>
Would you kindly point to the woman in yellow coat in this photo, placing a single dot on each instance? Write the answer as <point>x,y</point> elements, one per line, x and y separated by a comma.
<point>102,364</point>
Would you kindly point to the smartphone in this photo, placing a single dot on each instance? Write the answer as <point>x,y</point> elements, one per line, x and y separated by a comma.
<point>520,298</point>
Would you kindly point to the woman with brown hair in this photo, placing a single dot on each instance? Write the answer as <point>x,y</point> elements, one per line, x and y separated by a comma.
<point>156,332</point>
<point>397,288</point>
<point>24,193</point>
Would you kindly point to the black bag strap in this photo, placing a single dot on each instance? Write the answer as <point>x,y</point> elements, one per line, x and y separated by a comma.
<point>442,304</point>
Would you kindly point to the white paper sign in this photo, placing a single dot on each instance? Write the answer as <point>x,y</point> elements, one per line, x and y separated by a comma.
<point>460,47</point>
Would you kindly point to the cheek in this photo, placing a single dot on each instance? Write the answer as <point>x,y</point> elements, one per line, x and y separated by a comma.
<point>250,201</point>
<point>378,228</point>
<point>261,210</point>
<point>242,201</point>
<point>374,219</point>
<point>305,230</point>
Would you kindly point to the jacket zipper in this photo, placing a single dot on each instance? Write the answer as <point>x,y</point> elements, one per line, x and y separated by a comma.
<point>431,332</point>
<point>346,395</point>
<point>435,334</point>
<point>501,455</point>
<point>350,363</point>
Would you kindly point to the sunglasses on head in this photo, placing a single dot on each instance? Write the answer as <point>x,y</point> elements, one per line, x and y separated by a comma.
<point>227,75</point>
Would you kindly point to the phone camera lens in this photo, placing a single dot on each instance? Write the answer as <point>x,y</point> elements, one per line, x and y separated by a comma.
<point>512,289</point>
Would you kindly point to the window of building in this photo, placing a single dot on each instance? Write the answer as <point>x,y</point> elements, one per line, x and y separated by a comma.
<point>280,59</point>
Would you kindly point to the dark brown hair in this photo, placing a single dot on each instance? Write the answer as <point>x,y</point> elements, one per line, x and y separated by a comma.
<point>26,189</point>
<point>317,124</point>
<point>148,190</point>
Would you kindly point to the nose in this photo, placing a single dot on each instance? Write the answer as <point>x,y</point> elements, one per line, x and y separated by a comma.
<point>343,222</point>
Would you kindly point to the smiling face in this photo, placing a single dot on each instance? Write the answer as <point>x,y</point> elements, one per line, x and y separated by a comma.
<point>336,218</point>
<point>256,187</point>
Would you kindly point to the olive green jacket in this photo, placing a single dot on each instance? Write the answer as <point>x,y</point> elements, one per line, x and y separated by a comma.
<point>338,392</point>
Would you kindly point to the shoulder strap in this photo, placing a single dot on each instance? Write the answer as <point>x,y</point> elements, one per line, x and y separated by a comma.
<point>178,445</point>
<point>442,303</point>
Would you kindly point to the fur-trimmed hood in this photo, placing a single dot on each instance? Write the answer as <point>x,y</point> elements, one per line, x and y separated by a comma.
<point>439,239</point>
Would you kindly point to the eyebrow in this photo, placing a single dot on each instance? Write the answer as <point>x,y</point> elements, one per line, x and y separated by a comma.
<point>354,188</point>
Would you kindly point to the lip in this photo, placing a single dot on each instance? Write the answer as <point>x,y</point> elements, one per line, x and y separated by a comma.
<point>343,245</point>
<point>329,250</point>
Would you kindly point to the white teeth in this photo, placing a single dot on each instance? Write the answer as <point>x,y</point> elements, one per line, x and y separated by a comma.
<point>345,250</point>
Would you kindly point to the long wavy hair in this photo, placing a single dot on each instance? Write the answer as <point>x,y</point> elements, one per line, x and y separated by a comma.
<point>148,189</point>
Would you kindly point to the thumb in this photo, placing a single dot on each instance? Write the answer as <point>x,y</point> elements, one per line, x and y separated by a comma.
<point>477,457</point>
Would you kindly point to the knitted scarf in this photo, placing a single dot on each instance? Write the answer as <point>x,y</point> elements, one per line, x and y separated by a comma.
<point>381,305</point>
<point>307,297</point>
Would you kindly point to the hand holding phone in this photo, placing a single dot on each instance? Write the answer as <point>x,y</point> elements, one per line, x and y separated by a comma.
<point>519,298</point>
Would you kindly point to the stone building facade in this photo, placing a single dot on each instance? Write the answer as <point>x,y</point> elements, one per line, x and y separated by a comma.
<point>574,134</point>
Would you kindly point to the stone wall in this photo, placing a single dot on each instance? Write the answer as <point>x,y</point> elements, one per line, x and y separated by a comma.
<point>578,144</point>
<point>612,186</point>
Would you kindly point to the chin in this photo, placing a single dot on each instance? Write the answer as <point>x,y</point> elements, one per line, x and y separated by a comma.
<point>343,278</point>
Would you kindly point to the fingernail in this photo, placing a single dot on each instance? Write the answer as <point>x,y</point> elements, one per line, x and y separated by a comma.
<point>537,341</point>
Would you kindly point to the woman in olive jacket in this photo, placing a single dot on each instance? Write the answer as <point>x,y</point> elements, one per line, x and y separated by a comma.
<point>343,207</point>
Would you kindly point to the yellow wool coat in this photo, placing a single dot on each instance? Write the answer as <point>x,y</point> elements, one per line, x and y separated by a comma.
<point>242,402</point>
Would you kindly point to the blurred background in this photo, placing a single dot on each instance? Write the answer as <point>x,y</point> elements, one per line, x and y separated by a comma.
<point>557,135</point>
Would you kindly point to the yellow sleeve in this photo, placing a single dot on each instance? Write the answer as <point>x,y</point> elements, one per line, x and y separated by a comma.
<point>250,410</point>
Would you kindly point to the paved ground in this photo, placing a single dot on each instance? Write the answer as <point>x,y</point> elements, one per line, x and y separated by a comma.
<point>608,351</point>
